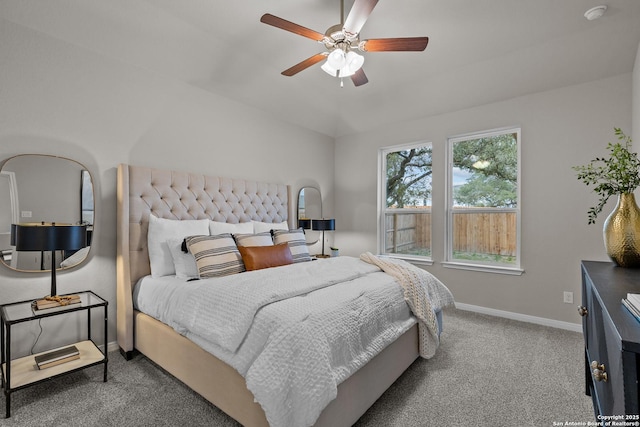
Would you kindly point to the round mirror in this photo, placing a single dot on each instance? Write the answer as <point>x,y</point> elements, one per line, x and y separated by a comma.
<point>309,207</point>
<point>37,188</point>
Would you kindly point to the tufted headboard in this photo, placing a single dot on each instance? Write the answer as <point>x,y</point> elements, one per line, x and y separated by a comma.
<point>168,194</point>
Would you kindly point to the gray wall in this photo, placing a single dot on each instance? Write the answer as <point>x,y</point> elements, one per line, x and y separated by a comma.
<point>560,129</point>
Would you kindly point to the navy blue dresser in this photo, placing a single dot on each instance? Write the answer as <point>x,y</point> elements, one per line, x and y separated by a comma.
<point>611,338</point>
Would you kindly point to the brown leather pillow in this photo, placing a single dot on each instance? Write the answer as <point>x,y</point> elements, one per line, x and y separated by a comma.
<point>259,257</point>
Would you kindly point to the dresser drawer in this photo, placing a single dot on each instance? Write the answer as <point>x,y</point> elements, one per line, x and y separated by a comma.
<point>611,338</point>
<point>603,349</point>
<point>608,355</point>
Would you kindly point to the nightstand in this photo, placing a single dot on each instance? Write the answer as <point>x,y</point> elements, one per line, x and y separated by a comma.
<point>23,372</point>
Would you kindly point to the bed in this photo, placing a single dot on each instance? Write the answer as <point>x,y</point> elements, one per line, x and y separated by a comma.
<point>145,194</point>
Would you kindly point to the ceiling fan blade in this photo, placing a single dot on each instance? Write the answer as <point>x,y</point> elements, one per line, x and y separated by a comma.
<point>358,16</point>
<point>269,19</point>
<point>304,64</point>
<point>359,78</point>
<point>395,45</point>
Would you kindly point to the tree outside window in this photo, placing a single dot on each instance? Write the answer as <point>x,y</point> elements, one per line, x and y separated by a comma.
<point>406,219</point>
<point>483,201</point>
<point>483,213</point>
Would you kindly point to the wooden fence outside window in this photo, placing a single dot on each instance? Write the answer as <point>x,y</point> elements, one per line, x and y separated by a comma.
<point>490,233</point>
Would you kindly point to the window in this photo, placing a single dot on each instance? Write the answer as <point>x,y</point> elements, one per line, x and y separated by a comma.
<point>405,201</point>
<point>483,215</point>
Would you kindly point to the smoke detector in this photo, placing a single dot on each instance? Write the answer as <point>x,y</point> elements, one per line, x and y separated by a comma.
<point>595,12</point>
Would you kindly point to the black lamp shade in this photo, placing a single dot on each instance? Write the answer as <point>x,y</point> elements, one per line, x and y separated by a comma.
<point>48,237</point>
<point>304,224</point>
<point>323,224</point>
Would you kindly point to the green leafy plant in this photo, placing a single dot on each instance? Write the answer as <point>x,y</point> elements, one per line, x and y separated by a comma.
<point>618,174</point>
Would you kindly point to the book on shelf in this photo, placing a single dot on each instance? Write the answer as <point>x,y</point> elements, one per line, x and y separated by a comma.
<point>59,362</point>
<point>632,308</point>
<point>634,299</point>
<point>56,357</point>
<point>49,302</point>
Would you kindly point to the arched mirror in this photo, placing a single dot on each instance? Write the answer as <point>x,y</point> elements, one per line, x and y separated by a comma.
<point>37,188</point>
<point>309,207</point>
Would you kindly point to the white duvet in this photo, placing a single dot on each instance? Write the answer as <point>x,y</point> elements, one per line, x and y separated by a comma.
<point>294,332</point>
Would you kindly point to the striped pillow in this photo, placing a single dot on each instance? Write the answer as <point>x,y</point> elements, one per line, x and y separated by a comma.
<point>296,241</point>
<point>215,255</point>
<point>258,239</point>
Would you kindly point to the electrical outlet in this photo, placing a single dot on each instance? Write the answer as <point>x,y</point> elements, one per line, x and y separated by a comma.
<point>568,297</point>
<point>25,214</point>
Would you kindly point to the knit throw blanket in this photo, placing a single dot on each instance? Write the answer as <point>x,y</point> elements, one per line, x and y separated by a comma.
<point>424,294</point>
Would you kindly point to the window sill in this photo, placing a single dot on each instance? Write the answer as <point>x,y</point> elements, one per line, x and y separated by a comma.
<point>484,268</point>
<point>412,260</point>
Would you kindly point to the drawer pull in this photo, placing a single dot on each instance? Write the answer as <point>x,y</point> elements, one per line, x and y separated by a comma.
<point>582,310</point>
<point>598,371</point>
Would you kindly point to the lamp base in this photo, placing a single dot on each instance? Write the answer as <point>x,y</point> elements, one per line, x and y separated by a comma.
<point>56,301</point>
<point>322,256</point>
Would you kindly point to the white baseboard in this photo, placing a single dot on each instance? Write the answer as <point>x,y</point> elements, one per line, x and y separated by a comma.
<point>575,327</point>
<point>113,346</point>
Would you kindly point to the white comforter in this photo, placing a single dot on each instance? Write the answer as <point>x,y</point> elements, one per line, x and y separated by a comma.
<point>294,332</point>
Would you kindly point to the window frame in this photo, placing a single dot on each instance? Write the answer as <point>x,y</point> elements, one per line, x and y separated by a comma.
<point>450,262</point>
<point>382,202</point>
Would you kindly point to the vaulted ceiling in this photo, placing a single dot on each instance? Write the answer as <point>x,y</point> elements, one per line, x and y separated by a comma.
<point>480,51</point>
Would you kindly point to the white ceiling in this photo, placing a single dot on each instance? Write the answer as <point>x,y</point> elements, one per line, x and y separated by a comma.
<point>480,51</point>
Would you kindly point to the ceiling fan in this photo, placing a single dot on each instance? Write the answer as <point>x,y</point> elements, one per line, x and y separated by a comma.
<point>342,40</point>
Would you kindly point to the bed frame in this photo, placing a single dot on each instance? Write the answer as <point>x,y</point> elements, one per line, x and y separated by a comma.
<point>180,195</point>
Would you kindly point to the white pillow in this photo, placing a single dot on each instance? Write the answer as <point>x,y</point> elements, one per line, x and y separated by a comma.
<point>76,258</point>
<point>297,243</point>
<point>216,227</point>
<point>161,230</point>
<point>261,227</point>
<point>258,239</point>
<point>184,262</point>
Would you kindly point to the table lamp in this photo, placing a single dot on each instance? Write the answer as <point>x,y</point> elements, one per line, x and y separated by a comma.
<point>49,236</point>
<point>304,223</point>
<point>323,225</point>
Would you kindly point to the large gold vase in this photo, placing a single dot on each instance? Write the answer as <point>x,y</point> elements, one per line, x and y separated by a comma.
<point>622,232</point>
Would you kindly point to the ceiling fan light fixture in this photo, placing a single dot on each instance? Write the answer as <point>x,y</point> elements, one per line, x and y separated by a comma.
<point>345,71</point>
<point>351,62</point>
<point>327,68</point>
<point>337,59</point>
<point>354,61</point>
